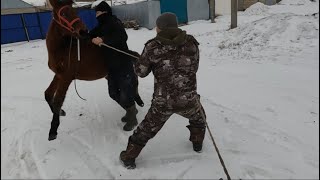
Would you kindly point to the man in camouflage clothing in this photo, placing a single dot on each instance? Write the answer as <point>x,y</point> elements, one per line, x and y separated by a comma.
<point>173,57</point>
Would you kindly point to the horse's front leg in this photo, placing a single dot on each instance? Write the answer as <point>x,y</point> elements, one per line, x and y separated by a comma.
<point>49,93</point>
<point>58,98</point>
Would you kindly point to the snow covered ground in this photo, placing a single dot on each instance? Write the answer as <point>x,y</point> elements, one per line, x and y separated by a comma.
<point>259,85</point>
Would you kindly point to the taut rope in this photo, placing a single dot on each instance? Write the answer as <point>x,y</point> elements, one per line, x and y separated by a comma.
<point>103,44</point>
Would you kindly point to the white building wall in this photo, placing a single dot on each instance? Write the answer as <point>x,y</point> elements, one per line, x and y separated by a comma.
<point>223,7</point>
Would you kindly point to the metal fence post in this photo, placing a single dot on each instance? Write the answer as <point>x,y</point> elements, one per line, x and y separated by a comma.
<point>234,11</point>
<point>24,26</point>
<point>212,6</point>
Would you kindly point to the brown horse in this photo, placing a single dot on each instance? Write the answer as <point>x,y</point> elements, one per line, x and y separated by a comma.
<point>65,28</point>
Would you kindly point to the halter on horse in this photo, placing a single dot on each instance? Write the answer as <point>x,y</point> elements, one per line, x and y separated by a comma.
<point>63,58</point>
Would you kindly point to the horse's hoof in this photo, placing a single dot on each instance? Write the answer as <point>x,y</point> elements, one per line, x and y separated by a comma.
<point>62,112</point>
<point>52,137</point>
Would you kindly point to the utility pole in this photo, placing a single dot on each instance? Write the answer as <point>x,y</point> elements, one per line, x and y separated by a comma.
<point>234,11</point>
<point>212,5</point>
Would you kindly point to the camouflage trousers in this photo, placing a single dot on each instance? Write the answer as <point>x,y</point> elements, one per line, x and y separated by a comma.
<point>157,117</point>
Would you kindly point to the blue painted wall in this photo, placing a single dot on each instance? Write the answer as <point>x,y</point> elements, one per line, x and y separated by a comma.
<point>179,7</point>
<point>12,29</point>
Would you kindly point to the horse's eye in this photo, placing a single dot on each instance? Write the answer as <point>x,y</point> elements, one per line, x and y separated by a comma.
<point>63,15</point>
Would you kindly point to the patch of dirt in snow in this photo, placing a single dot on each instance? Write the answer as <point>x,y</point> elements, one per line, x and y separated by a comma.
<point>257,9</point>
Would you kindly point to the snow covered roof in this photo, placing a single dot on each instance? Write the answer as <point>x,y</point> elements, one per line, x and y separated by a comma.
<point>35,2</point>
<point>12,4</point>
<point>15,7</point>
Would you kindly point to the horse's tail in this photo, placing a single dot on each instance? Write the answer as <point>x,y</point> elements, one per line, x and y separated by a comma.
<point>137,97</point>
<point>138,100</point>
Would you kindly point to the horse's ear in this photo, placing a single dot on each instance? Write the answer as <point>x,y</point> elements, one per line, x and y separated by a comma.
<point>66,1</point>
<point>58,3</point>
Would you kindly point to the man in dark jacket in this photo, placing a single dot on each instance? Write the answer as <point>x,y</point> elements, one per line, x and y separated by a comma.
<point>121,76</point>
<point>173,57</point>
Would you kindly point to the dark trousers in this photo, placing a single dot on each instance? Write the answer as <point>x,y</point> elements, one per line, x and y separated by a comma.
<point>122,88</point>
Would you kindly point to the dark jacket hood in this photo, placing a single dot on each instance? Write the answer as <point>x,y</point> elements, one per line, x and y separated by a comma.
<point>172,36</point>
<point>104,7</point>
<point>103,18</point>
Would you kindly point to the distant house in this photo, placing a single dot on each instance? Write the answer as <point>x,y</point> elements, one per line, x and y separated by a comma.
<point>223,7</point>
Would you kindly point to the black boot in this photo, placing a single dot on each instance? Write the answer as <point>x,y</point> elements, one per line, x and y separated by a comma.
<point>131,118</point>
<point>196,137</point>
<point>128,157</point>
<point>126,116</point>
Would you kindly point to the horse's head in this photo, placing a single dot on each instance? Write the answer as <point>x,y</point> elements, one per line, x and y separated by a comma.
<point>56,3</point>
<point>66,16</point>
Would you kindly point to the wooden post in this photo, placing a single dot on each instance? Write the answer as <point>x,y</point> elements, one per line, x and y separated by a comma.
<point>212,5</point>
<point>25,28</point>
<point>234,11</point>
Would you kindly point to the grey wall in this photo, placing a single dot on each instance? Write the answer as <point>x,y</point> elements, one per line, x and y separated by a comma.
<point>154,13</point>
<point>145,12</point>
<point>198,10</point>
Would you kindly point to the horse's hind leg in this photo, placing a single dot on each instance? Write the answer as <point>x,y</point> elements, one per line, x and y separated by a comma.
<point>50,92</point>
<point>57,102</point>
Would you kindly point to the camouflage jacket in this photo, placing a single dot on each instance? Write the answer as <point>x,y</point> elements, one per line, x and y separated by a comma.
<point>174,66</point>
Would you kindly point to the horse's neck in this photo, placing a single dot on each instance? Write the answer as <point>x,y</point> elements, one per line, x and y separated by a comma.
<point>55,40</point>
<point>58,42</point>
